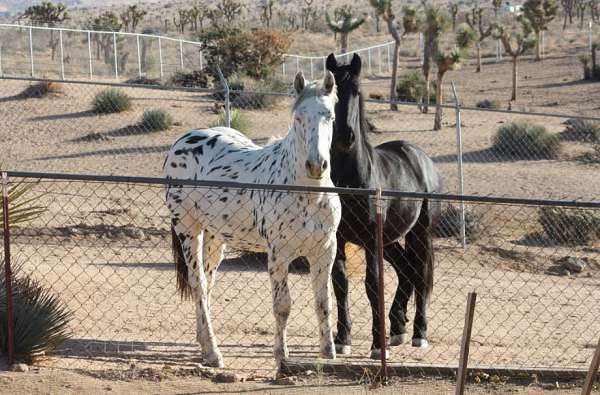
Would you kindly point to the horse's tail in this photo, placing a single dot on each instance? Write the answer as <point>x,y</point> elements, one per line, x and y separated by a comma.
<point>419,243</point>
<point>183,285</point>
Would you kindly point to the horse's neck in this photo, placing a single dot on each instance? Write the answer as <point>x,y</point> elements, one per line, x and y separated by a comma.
<point>288,148</point>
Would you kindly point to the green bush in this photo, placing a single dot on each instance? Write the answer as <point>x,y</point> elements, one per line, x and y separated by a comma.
<point>490,104</point>
<point>411,88</point>
<point>156,119</point>
<point>570,226</point>
<point>524,140</point>
<point>190,79</point>
<point>581,130</point>
<point>449,224</point>
<point>258,95</point>
<point>110,101</point>
<point>239,120</point>
<point>40,319</point>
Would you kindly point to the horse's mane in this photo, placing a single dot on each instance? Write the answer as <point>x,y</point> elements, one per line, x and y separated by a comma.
<point>312,89</point>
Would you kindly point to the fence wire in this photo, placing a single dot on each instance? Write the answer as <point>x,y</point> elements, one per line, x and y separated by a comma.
<point>104,248</point>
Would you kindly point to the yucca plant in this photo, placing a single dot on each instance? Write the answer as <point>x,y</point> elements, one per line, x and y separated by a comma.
<point>40,319</point>
<point>110,101</point>
<point>156,120</point>
<point>22,208</point>
<point>239,120</point>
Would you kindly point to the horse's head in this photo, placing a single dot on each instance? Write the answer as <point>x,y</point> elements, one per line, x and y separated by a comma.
<point>347,109</point>
<point>314,113</point>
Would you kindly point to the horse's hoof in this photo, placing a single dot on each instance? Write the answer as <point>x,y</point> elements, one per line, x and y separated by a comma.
<point>214,360</point>
<point>421,343</point>
<point>376,353</point>
<point>343,349</point>
<point>397,340</point>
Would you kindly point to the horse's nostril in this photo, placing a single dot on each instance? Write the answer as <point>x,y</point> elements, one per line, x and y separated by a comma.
<point>324,165</point>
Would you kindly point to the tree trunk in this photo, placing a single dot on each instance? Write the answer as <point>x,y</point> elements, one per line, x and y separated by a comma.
<point>538,46</point>
<point>478,57</point>
<point>565,22</point>
<point>376,22</point>
<point>344,40</point>
<point>437,122</point>
<point>514,79</point>
<point>394,106</point>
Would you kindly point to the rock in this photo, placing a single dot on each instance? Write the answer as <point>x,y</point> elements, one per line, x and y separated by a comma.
<point>19,367</point>
<point>573,264</point>
<point>309,372</point>
<point>227,377</point>
<point>286,380</point>
<point>134,233</point>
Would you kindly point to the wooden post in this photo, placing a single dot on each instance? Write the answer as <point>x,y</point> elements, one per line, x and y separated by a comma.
<point>7,272</point>
<point>380,289</point>
<point>591,374</point>
<point>461,377</point>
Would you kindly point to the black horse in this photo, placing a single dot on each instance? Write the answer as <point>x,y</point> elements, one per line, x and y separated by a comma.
<point>393,165</point>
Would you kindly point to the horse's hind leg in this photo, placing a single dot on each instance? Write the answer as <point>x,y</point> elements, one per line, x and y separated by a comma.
<point>419,247</point>
<point>213,255</point>
<point>340,288</point>
<point>394,253</point>
<point>191,238</point>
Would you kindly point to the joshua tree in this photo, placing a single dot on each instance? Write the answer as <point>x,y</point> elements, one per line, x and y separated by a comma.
<point>449,60</point>
<point>107,21</point>
<point>344,25</point>
<point>266,12</point>
<point>197,15</point>
<point>131,17</point>
<point>496,4</point>
<point>230,9</point>
<point>594,4</point>
<point>307,14</point>
<point>476,23</point>
<point>567,6</point>
<point>539,13</point>
<point>453,8</point>
<point>436,23</point>
<point>48,14</point>
<point>181,20</point>
<point>379,7</point>
<point>581,6</point>
<point>515,43</point>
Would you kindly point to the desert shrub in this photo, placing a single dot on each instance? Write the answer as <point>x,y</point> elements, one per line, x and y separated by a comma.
<point>570,226</point>
<point>449,224</point>
<point>190,79</point>
<point>581,130</point>
<point>42,89</point>
<point>259,94</point>
<point>256,53</point>
<point>143,81</point>
<point>411,88</point>
<point>39,318</point>
<point>490,104</point>
<point>239,120</point>
<point>525,140</point>
<point>156,119</point>
<point>110,101</point>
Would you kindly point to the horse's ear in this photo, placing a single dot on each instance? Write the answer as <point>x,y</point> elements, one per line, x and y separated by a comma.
<point>355,65</point>
<point>331,63</point>
<point>299,82</point>
<point>328,82</point>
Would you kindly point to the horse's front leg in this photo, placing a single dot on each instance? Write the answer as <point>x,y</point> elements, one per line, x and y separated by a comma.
<point>320,273</point>
<point>343,340</point>
<point>282,303</point>
<point>372,288</point>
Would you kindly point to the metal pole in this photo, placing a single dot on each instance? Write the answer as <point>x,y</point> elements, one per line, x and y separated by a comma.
<point>461,379</point>
<point>139,56</point>
<point>283,67</point>
<point>388,59</point>
<point>31,51</point>
<point>62,56</point>
<point>297,65</point>
<point>181,53</point>
<point>459,155</point>
<point>227,104</point>
<point>380,289</point>
<point>90,53</point>
<point>593,370</point>
<point>324,67</point>
<point>115,55</point>
<point>7,271</point>
<point>369,61</point>
<point>201,61</point>
<point>543,44</point>
<point>379,56</point>
<point>160,57</point>
<point>312,77</point>
<point>1,73</point>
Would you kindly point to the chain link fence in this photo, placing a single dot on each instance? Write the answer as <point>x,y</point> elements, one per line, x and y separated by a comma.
<point>103,245</point>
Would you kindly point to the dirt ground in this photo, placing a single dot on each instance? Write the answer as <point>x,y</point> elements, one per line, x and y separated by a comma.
<point>120,284</point>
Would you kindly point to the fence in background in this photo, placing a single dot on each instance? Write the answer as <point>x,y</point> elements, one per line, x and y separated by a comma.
<point>102,245</point>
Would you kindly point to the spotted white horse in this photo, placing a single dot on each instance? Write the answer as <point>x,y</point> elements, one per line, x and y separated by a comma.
<point>286,225</point>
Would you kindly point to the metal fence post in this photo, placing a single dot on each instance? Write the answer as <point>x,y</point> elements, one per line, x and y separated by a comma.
<point>389,61</point>
<point>379,57</point>
<point>459,155</point>
<point>227,104</point>
<point>89,34</point>
<point>201,61</point>
<point>31,51</point>
<point>62,56</point>
<point>312,77</point>
<point>1,73</point>
<point>380,289</point>
<point>160,60</point>
<point>139,56</point>
<point>115,55</point>
<point>297,64</point>
<point>7,271</point>
<point>592,372</point>
<point>461,377</point>
<point>181,53</point>
<point>369,61</point>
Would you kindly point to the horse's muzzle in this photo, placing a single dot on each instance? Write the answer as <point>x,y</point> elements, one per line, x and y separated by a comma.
<point>317,169</point>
